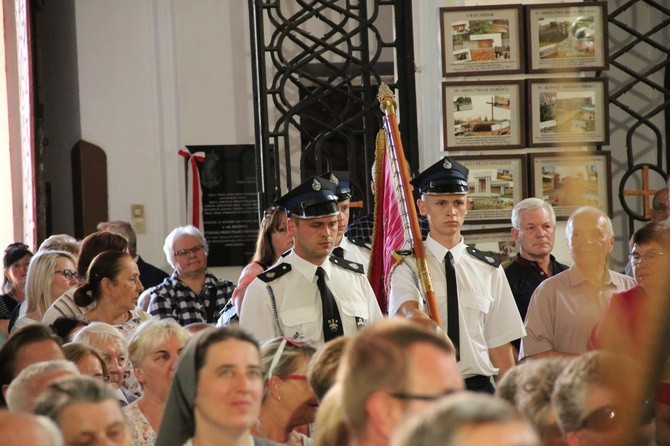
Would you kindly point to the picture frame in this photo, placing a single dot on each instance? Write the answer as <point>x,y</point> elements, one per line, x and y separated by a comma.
<point>567,180</point>
<point>567,37</point>
<point>480,40</point>
<point>568,111</point>
<point>496,183</point>
<point>495,242</point>
<point>483,115</point>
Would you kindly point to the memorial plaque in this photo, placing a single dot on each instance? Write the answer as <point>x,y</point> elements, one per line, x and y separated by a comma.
<point>229,202</point>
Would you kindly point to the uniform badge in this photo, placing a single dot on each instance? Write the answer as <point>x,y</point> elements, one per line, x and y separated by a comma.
<point>333,325</point>
<point>360,322</point>
<point>333,179</point>
<point>271,275</point>
<point>316,185</point>
<point>447,163</point>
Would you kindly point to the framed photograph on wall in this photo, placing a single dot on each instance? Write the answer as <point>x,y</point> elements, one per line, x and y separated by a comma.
<point>483,115</point>
<point>568,111</point>
<point>479,40</point>
<point>496,242</point>
<point>568,180</point>
<point>496,183</point>
<point>567,37</point>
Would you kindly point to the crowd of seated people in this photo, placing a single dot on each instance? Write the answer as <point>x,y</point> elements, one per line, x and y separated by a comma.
<point>81,360</point>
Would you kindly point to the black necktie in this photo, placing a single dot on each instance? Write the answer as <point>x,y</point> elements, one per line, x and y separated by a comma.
<point>452,302</point>
<point>339,252</point>
<point>332,323</point>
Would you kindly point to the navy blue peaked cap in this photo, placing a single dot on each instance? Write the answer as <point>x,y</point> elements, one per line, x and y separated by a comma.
<point>341,180</point>
<point>444,177</point>
<point>314,198</point>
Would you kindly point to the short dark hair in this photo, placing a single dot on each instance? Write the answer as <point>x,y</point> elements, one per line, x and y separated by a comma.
<point>21,338</point>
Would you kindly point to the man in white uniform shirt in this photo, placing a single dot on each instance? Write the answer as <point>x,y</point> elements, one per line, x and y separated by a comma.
<point>310,295</point>
<point>484,318</point>
<point>348,248</point>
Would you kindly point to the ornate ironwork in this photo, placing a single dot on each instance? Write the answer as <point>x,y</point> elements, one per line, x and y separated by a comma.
<point>316,67</point>
<point>641,56</point>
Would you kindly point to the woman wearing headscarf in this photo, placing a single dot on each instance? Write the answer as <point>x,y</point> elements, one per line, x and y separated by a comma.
<point>215,396</point>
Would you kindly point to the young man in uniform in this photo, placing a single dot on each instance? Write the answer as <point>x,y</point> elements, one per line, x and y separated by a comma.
<point>348,248</point>
<point>474,300</point>
<point>310,295</point>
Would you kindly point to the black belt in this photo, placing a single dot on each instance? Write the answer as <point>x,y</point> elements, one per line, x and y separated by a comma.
<point>479,383</point>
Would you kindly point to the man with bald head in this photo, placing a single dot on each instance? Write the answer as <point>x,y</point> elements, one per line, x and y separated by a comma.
<point>564,308</point>
<point>22,429</point>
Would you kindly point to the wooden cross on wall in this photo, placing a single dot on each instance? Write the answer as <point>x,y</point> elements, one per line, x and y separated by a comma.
<point>645,192</point>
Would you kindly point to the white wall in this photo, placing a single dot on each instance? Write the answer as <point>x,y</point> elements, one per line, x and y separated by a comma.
<point>155,76</point>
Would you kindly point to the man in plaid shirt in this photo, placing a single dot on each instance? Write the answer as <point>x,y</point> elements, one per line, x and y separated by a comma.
<point>191,294</point>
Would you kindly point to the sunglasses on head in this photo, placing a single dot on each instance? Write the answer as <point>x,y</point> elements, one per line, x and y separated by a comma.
<point>607,418</point>
<point>277,356</point>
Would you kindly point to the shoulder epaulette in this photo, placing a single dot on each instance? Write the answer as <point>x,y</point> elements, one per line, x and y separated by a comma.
<point>347,264</point>
<point>358,242</point>
<point>275,272</point>
<point>489,260</point>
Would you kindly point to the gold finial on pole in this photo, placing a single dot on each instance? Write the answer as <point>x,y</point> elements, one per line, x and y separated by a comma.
<point>386,100</point>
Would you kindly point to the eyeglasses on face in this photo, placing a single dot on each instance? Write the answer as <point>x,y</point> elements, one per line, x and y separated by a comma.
<point>68,274</point>
<point>185,252</point>
<point>636,258</point>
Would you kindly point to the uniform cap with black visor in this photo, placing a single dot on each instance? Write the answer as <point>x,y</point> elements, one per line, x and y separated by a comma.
<point>444,177</point>
<point>314,198</point>
<point>340,178</point>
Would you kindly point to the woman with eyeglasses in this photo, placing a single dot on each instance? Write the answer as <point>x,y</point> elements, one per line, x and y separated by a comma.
<point>289,403</point>
<point>273,240</point>
<point>50,274</point>
<point>88,360</point>
<point>191,294</point>
<point>111,345</point>
<point>154,353</point>
<point>215,396</point>
<point>16,259</point>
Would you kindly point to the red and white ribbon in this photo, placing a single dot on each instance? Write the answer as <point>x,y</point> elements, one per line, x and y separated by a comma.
<point>194,191</point>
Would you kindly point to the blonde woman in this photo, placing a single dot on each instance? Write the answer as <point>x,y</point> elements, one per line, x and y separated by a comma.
<point>50,274</point>
<point>154,352</point>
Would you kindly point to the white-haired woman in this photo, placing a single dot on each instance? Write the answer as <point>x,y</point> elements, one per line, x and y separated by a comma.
<point>191,294</point>
<point>50,274</point>
<point>111,344</point>
<point>154,352</point>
